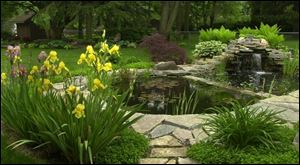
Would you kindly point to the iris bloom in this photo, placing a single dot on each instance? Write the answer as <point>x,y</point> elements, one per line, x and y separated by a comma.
<point>47,64</point>
<point>79,111</point>
<point>3,78</point>
<point>53,56</point>
<point>30,78</point>
<point>97,85</point>
<point>90,49</point>
<point>34,70</point>
<point>47,84</point>
<point>82,58</point>
<point>61,66</point>
<point>104,47</point>
<point>92,58</point>
<point>114,50</point>
<point>72,90</point>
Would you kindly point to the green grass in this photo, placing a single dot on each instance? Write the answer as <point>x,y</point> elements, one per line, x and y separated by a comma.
<point>9,156</point>
<point>291,42</point>
<point>70,57</point>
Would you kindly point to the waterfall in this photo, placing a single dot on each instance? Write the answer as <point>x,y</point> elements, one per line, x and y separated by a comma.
<point>256,64</point>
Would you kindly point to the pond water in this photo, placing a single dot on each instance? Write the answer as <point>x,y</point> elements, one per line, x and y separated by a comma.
<point>257,81</point>
<point>161,95</point>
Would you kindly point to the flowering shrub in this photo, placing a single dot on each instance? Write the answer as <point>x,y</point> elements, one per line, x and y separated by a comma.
<point>78,126</point>
<point>162,50</point>
<point>208,49</point>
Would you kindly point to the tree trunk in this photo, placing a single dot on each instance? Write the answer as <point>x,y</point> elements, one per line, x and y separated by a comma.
<point>212,13</point>
<point>56,32</point>
<point>169,13</point>
<point>89,22</point>
<point>80,26</point>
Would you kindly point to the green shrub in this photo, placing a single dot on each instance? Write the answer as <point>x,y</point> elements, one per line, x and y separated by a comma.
<point>127,149</point>
<point>208,49</point>
<point>43,46</point>
<point>32,45</point>
<point>270,33</point>
<point>284,152</point>
<point>222,34</point>
<point>240,127</point>
<point>291,66</point>
<point>57,44</point>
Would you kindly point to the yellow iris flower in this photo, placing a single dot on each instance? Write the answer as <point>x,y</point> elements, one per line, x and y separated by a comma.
<point>72,90</point>
<point>104,47</point>
<point>53,56</point>
<point>103,34</point>
<point>79,111</point>
<point>90,49</point>
<point>3,78</point>
<point>47,84</point>
<point>114,50</point>
<point>47,64</point>
<point>107,67</point>
<point>92,58</point>
<point>82,58</point>
<point>97,85</point>
<point>61,66</point>
<point>30,78</point>
<point>34,70</point>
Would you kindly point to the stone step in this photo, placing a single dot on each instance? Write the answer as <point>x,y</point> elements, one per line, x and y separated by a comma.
<point>168,152</point>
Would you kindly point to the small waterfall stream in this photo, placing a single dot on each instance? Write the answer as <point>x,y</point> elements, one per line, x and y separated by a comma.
<point>256,62</point>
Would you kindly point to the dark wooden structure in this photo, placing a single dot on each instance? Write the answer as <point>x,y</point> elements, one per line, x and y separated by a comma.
<point>26,29</point>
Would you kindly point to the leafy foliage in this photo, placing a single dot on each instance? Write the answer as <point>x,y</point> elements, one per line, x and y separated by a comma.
<point>270,33</point>
<point>291,66</point>
<point>186,103</point>
<point>244,126</point>
<point>128,148</point>
<point>222,34</point>
<point>163,50</point>
<point>284,153</point>
<point>208,49</point>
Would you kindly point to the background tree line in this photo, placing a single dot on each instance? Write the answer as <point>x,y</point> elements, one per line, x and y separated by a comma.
<point>134,19</point>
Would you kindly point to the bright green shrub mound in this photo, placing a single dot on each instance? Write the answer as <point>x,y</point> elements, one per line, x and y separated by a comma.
<point>208,49</point>
<point>127,149</point>
<point>283,153</point>
<point>222,34</point>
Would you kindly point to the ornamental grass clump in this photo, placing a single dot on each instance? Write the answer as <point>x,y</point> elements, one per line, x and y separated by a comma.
<point>241,127</point>
<point>78,126</point>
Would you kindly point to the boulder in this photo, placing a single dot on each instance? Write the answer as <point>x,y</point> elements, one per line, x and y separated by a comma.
<point>169,65</point>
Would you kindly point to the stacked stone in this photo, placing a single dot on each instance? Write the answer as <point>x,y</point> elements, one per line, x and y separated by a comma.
<point>242,49</point>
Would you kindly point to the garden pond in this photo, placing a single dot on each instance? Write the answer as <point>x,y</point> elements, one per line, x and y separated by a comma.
<point>161,95</point>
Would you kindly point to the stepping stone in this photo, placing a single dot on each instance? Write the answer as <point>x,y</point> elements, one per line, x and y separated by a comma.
<point>183,135</point>
<point>187,161</point>
<point>161,130</point>
<point>147,123</point>
<point>287,114</point>
<point>199,134</point>
<point>167,140</point>
<point>168,152</point>
<point>292,106</point>
<point>172,161</point>
<point>153,161</point>
<point>185,121</point>
<point>295,94</point>
<point>282,99</point>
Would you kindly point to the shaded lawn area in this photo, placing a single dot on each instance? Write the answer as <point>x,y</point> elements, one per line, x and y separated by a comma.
<point>9,156</point>
<point>130,58</point>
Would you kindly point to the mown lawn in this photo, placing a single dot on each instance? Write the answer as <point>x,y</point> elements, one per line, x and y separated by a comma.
<point>130,58</point>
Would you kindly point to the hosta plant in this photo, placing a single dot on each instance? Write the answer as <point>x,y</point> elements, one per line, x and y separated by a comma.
<point>208,49</point>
